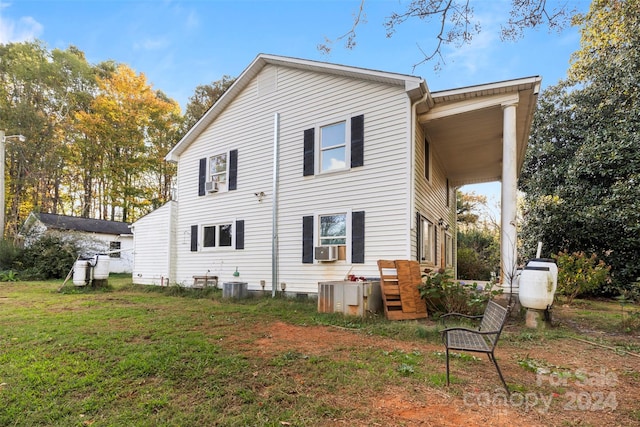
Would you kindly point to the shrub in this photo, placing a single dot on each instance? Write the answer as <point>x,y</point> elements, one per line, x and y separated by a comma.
<point>443,294</point>
<point>8,254</point>
<point>579,274</point>
<point>478,254</point>
<point>50,257</point>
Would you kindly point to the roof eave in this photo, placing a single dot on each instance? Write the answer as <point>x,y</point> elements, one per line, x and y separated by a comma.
<point>415,87</point>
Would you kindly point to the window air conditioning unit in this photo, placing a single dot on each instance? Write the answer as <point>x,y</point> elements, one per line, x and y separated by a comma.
<point>326,253</point>
<point>211,187</point>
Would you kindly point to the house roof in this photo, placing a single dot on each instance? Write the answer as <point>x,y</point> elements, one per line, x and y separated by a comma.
<point>415,87</point>
<point>464,126</point>
<point>89,225</point>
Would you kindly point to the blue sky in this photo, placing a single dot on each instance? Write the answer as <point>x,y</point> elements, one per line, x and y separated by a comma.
<point>180,44</point>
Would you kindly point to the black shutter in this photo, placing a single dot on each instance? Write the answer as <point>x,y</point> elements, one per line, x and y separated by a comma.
<point>309,150</point>
<point>202,176</point>
<point>307,239</point>
<point>233,169</point>
<point>240,234</point>
<point>357,237</point>
<point>357,141</point>
<point>194,238</point>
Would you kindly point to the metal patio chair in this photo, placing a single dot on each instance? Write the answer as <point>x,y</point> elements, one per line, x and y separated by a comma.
<point>480,340</point>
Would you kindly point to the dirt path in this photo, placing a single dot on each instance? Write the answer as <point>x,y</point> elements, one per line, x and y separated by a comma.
<point>578,383</point>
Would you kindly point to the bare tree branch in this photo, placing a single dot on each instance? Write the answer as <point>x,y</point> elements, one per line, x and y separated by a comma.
<point>456,25</point>
<point>350,36</point>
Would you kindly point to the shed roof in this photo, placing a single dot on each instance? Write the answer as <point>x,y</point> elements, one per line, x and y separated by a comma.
<point>89,225</point>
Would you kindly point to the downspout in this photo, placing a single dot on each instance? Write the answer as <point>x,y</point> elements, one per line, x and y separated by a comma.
<point>412,183</point>
<point>274,205</point>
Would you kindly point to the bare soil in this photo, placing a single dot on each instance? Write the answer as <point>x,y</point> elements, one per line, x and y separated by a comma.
<point>578,384</point>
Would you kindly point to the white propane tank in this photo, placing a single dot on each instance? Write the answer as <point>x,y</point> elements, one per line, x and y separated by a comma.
<point>538,283</point>
<point>80,272</point>
<point>101,267</point>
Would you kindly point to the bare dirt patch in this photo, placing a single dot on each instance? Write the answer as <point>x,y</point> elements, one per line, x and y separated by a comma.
<point>577,383</point>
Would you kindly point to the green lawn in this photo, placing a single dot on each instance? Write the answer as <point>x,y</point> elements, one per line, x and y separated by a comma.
<point>138,356</point>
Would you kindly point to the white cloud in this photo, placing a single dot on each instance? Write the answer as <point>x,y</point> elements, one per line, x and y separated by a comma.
<point>151,44</point>
<point>25,29</point>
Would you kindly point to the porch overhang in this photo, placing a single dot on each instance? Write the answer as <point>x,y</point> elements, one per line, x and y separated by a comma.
<point>464,128</point>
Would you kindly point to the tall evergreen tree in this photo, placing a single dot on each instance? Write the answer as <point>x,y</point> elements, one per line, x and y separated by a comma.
<point>582,170</point>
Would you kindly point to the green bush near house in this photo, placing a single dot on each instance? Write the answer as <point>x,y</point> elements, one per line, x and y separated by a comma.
<point>445,295</point>
<point>579,274</point>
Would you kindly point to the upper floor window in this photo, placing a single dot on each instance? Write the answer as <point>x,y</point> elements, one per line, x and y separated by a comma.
<point>333,146</point>
<point>218,168</point>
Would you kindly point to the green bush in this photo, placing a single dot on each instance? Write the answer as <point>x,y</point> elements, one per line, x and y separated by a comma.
<point>445,295</point>
<point>579,274</point>
<point>8,254</point>
<point>50,257</point>
<point>478,254</point>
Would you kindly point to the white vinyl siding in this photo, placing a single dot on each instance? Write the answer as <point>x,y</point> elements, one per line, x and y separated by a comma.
<point>431,200</point>
<point>303,100</point>
<point>151,244</point>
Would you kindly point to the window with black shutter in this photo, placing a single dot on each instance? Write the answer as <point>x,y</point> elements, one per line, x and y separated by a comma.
<point>233,170</point>
<point>357,237</point>
<point>194,238</point>
<point>202,176</point>
<point>307,240</point>
<point>240,234</point>
<point>309,152</point>
<point>357,141</point>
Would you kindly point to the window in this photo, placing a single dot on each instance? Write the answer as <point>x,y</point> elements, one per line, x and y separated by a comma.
<point>114,246</point>
<point>333,147</point>
<point>426,240</point>
<point>221,169</point>
<point>218,168</point>
<point>448,249</point>
<point>217,235</point>
<point>333,229</point>
<point>344,230</point>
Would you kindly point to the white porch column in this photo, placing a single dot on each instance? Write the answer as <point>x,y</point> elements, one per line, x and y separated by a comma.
<point>508,234</point>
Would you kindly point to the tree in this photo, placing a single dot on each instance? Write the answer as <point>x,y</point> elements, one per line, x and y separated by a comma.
<point>582,170</point>
<point>454,22</point>
<point>127,129</point>
<point>39,92</point>
<point>478,251</point>
<point>203,98</point>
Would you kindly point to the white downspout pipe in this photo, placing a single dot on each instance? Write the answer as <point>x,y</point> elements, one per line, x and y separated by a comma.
<point>274,214</point>
<point>412,185</point>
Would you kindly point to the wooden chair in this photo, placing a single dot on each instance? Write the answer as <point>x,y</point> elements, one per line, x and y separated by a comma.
<point>480,340</point>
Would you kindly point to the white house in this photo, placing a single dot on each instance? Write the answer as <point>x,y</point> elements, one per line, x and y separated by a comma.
<point>306,171</point>
<point>96,236</point>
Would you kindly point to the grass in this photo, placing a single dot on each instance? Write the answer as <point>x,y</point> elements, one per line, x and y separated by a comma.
<point>129,355</point>
<point>147,356</point>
